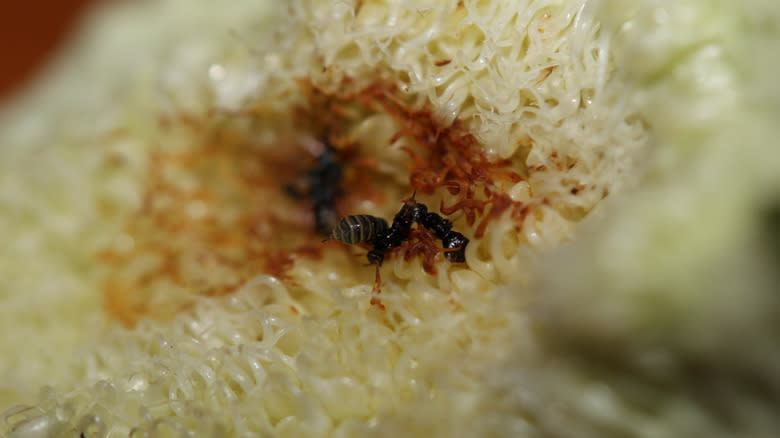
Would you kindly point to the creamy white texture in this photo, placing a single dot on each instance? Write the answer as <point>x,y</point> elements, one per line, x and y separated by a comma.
<point>664,108</point>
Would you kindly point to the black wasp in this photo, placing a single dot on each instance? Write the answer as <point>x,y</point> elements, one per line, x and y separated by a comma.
<point>322,185</point>
<point>374,230</point>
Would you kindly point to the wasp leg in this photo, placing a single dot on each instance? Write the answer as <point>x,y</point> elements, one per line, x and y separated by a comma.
<point>375,301</point>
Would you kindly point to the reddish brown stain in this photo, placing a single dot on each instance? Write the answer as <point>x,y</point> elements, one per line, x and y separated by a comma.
<point>442,62</point>
<point>375,301</point>
<point>210,236</point>
<point>499,203</point>
<point>232,220</point>
<point>546,72</point>
<point>422,243</point>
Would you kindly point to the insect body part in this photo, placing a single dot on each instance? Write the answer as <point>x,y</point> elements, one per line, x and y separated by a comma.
<point>322,186</point>
<point>359,228</point>
<point>366,228</point>
<point>436,224</point>
<point>397,234</point>
<point>325,180</point>
<point>452,240</point>
<point>457,243</point>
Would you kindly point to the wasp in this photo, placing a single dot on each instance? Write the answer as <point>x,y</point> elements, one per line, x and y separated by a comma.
<point>374,230</point>
<point>322,185</point>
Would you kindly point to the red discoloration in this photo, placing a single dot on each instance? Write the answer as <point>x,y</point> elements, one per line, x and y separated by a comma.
<point>451,157</point>
<point>214,215</point>
<point>499,204</point>
<point>375,301</point>
<point>211,236</point>
<point>470,207</point>
<point>546,72</point>
<point>422,242</point>
<point>230,220</point>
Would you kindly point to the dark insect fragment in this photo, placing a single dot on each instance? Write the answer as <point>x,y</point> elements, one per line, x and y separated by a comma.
<point>442,229</point>
<point>322,185</point>
<point>365,228</point>
<point>396,235</point>
<point>457,243</point>
<point>358,228</point>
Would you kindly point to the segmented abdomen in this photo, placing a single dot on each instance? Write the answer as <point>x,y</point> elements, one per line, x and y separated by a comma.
<point>358,228</point>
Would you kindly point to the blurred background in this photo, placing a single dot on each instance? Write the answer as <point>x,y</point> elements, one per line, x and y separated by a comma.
<point>30,32</point>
